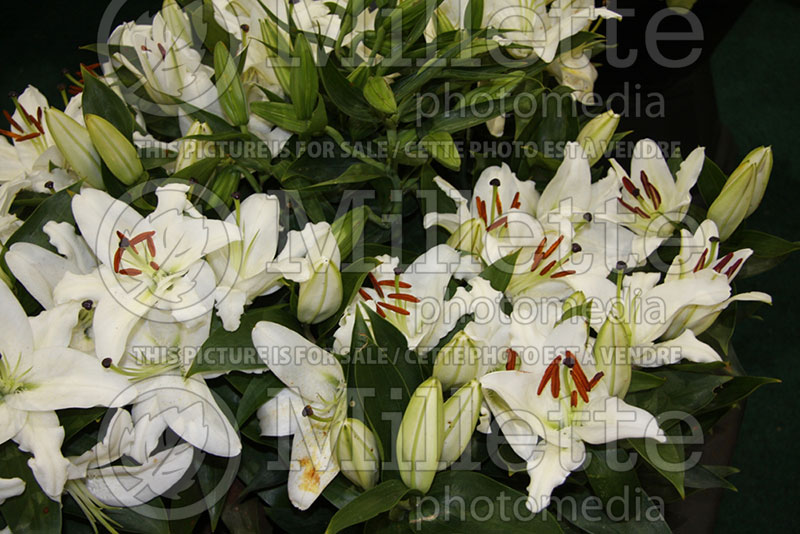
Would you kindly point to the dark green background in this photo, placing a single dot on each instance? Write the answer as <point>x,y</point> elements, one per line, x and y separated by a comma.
<point>756,77</point>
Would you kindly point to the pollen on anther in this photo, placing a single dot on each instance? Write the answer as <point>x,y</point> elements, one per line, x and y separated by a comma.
<point>106,363</point>
<point>307,411</point>
<point>87,304</point>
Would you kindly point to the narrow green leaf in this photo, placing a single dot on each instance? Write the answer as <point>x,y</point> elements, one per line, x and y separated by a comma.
<point>369,504</point>
<point>99,99</point>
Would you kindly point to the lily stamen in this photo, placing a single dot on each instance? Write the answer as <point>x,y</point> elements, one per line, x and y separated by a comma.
<point>403,296</point>
<point>392,307</point>
<point>549,373</point>
<point>701,263</point>
<point>375,285</point>
<point>723,262</point>
<point>516,203</point>
<point>511,363</point>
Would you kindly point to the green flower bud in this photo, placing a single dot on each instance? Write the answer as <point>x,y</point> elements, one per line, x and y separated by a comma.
<point>461,412</point>
<point>611,355</point>
<point>75,143</point>
<point>357,454</point>
<point>229,86</point>
<point>380,95</point>
<point>761,157</point>
<point>321,295</point>
<point>729,209</point>
<point>117,152</point>
<point>192,150</point>
<point>457,362</point>
<point>225,184</point>
<point>595,137</point>
<point>420,437</point>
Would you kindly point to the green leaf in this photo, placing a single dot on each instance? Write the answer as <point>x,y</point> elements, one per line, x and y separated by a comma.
<point>149,518</point>
<point>344,94</point>
<point>260,389</point>
<point>356,173</point>
<point>763,244</point>
<point>380,386</point>
<point>440,145</point>
<point>682,391</point>
<point>612,484</point>
<point>341,492</point>
<point>710,181</point>
<point>229,86</point>
<point>32,511</point>
<point>214,476</point>
<point>369,504</point>
<point>56,208</point>
<point>304,80</point>
<point>642,381</point>
<point>349,228</point>
<point>233,351</point>
<point>499,273</point>
<point>666,458</point>
<point>466,501</point>
<point>473,16</point>
<point>285,116</point>
<point>736,390</point>
<point>585,512</point>
<point>710,476</point>
<point>100,99</point>
<point>76,419</point>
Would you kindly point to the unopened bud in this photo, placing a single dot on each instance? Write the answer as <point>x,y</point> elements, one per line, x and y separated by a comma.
<point>357,454</point>
<point>117,152</point>
<point>595,137</point>
<point>75,143</point>
<point>420,436</point>
<point>461,412</point>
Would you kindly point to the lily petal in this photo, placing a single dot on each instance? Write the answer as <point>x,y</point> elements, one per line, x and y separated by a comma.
<point>42,436</point>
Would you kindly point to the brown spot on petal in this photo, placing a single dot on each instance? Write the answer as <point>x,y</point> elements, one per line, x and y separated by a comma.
<point>309,480</point>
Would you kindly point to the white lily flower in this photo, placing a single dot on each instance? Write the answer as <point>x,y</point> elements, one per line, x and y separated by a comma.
<point>159,355</point>
<point>646,309</point>
<point>145,263</point>
<point>33,156</point>
<point>575,70</point>
<point>11,487</point>
<point>412,301</point>
<point>651,202</point>
<point>9,223</point>
<point>167,65</point>
<point>95,483</point>
<point>312,407</point>
<point>240,267</point>
<point>537,29</point>
<point>700,254</point>
<point>35,381</point>
<point>554,403</point>
<point>483,345</point>
<point>311,257</point>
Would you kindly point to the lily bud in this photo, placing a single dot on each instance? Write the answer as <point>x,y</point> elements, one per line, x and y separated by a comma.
<point>457,362</point>
<point>461,412</point>
<point>730,208</point>
<point>321,295</point>
<point>761,157</point>
<point>420,437</point>
<point>224,186</point>
<point>595,137</point>
<point>75,143</point>
<point>379,95</point>
<point>192,150</point>
<point>357,454</point>
<point>117,152</point>
<point>611,355</point>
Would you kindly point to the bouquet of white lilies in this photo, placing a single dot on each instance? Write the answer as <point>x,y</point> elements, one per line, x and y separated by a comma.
<point>353,266</point>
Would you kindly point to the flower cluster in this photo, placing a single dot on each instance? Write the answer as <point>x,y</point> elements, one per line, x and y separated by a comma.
<point>185,282</point>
